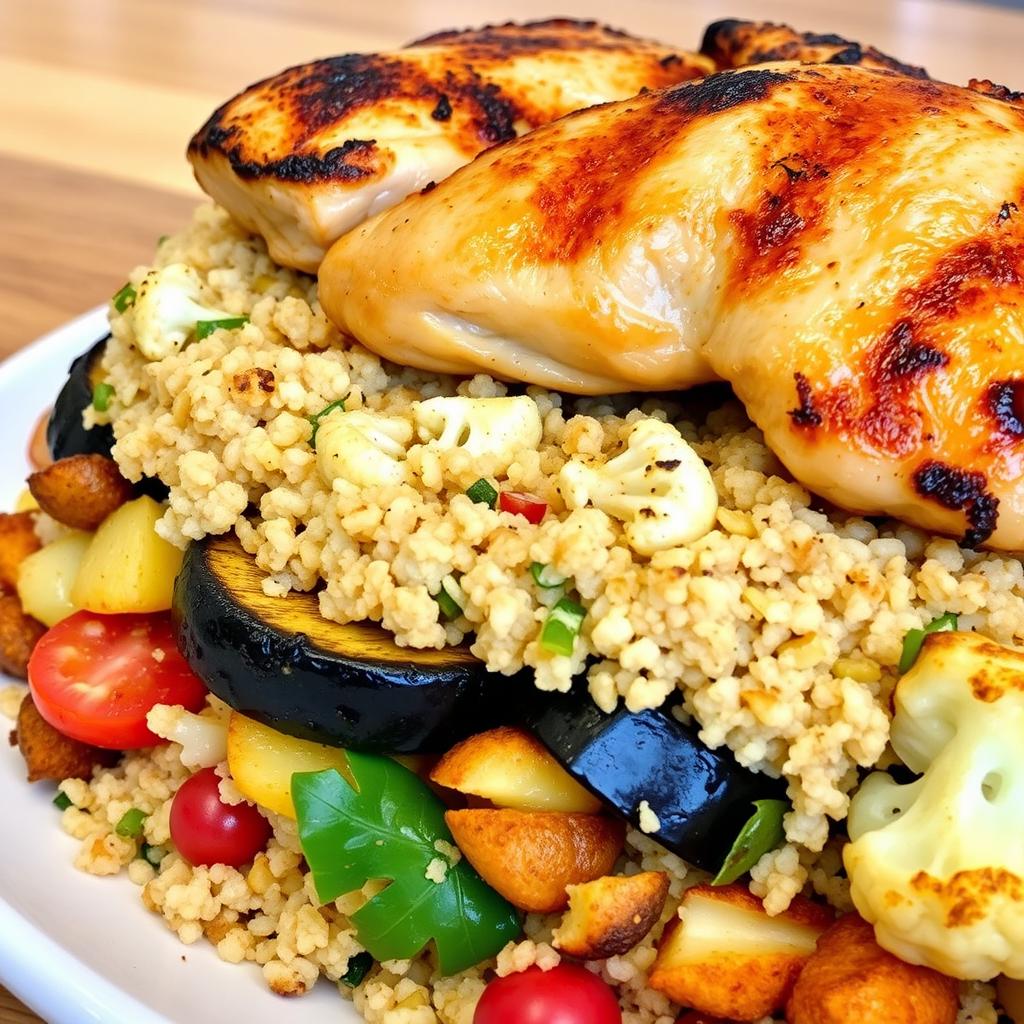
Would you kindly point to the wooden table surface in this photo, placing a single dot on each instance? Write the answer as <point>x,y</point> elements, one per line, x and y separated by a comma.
<point>99,100</point>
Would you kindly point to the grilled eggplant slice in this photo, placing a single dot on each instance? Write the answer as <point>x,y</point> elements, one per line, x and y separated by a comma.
<point>279,661</point>
<point>65,433</point>
<point>701,797</point>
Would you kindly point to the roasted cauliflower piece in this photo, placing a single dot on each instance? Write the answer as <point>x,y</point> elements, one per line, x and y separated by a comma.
<point>658,487</point>
<point>937,866</point>
<point>168,305</point>
<point>365,448</point>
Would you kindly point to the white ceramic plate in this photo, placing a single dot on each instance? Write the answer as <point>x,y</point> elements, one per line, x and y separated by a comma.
<point>79,949</point>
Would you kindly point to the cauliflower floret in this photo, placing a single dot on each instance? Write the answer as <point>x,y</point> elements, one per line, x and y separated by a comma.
<point>167,308</point>
<point>204,740</point>
<point>365,448</point>
<point>938,865</point>
<point>491,430</point>
<point>658,487</point>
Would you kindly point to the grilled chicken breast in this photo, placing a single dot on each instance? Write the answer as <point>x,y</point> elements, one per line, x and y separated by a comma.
<point>735,44</point>
<point>845,245</point>
<point>303,157</point>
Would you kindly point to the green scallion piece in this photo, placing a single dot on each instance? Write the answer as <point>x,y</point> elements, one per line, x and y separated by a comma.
<point>130,825</point>
<point>323,413</point>
<point>160,241</point>
<point>450,608</point>
<point>762,832</point>
<point>483,493</point>
<point>545,577</point>
<point>914,639</point>
<point>358,967</point>
<point>124,298</point>
<point>562,626</point>
<point>61,801</point>
<point>101,396</point>
<point>204,328</point>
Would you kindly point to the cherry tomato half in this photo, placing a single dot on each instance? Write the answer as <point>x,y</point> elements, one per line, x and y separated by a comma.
<point>207,831</point>
<point>523,505</point>
<point>95,677</point>
<point>567,994</point>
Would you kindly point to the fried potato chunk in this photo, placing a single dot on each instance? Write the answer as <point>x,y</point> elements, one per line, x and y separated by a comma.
<point>50,754</point>
<point>531,856</point>
<point>726,957</point>
<point>17,541</point>
<point>609,916</point>
<point>850,979</point>
<point>511,768</point>
<point>19,633</point>
<point>81,490</point>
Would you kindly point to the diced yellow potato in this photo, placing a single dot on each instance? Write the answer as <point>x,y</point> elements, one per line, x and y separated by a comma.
<point>262,762</point>
<point>128,568</point>
<point>46,578</point>
<point>25,502</point>
<point>512,769</point>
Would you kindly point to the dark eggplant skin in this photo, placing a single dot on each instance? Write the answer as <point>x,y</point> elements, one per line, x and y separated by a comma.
<point>702,797</point>
<point>65,433</point>
<point>276,659</point>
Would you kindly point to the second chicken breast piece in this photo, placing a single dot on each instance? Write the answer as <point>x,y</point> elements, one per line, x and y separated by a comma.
<point>303,157</point>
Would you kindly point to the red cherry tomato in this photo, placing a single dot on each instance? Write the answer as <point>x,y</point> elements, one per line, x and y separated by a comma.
<point>523,505</point>
<point>95,677</point>
<point>207,831</point>
<point>567,994</point>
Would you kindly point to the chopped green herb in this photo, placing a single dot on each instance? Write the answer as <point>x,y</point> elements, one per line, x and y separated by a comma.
<point>450,608</point>
<point>153,854</point>
<point>61,801</point>
<point>762,832</point>
<point>483,493</point>
<point>130,825</point>
<point>914,639</point>
<point>160,241</point>
<point>358,967</point>
<point>124,298</point>
<point>562,626</point>
<point>546,577</point>
<point>322,414</point>
<point>389,828</point>
<point>101,395</point>
<point>204,328</point>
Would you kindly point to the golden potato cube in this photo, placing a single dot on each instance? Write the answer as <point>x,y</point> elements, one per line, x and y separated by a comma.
<point>725,956</point>
<point>262,762</point>
<point>609,916</point>
<point>510,768</point>
<point>47,577</point>
<point>128,567</point>
<point>850,979</point>
<point>531,856</point>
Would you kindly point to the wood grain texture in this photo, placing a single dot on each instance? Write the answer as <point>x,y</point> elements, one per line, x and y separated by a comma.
<point>99,100</point>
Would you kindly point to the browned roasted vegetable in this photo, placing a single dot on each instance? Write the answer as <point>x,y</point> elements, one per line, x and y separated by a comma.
<point>609,916</point>
<point>19,633</point>
<point>81,490</point>
<point>50,754</point>
<point>850,979</point>
<point>17,541</point>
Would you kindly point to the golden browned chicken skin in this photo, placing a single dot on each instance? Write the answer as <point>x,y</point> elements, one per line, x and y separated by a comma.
<point>845,245</point>
<point>303,157</point>
<point>735,44</point>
